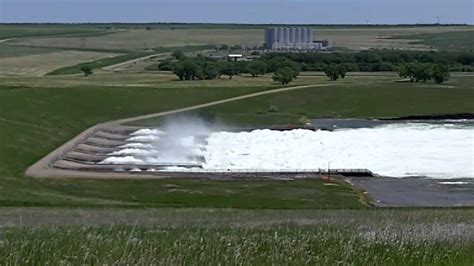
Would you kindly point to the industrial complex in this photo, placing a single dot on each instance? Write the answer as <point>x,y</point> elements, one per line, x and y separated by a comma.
<point>291,38</point>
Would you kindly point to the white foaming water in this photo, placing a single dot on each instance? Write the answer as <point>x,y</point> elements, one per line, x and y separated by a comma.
<point>148,131</point>
<point>144,138</point>
<point>122,160</point>
<point>398,150</point>
<point>133,151</point>
<point>453,183</point>
<point>137,145</point>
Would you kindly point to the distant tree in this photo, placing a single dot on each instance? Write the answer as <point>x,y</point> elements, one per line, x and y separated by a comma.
<point>177,55</point>
<point>296,69</point>
<point>86,70</point>
<point>236,47</point>
<point>466,58</point>
<point>406,71</point>
<point>341,70</point>
<point>230,69</point>
<point>284,75</point>
<point>187,69</point>
<point>422,72</point>
<point>332,71</point>
<point>224,47</point>
<point>440,73</point>
<point>165,65</point>
<point>257,68</point>
<point>210,70</point>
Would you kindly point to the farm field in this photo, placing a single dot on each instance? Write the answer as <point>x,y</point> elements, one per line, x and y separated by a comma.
<point>40,64</point>
<point>141,39</point>
<point>456,40</point>
<point>28,30</point>
<point>8,51</point>
<point>128,42</point>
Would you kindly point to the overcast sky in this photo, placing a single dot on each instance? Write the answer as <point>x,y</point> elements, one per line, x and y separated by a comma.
<point>239,11</point>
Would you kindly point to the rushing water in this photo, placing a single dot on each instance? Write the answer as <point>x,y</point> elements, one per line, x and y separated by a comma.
<point>437,150</point>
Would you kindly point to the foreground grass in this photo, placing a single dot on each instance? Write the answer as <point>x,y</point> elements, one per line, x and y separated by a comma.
<point>382,237</point>
<point>302,194</point>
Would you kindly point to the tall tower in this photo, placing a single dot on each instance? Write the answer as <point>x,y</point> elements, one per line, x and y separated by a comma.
<point>286,35</point>
<point>267,38</point>
<point>280,35</point>
<point>274,36</point>
<point>298,35</point>
<point>304,35</point>
<point>310,35</point>
<point>292,35</point>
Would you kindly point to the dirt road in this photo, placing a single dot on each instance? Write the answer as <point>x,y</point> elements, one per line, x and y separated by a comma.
<point>123,64</point>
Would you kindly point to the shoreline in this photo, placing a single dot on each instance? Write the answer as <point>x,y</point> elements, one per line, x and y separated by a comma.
<point>416,191</point>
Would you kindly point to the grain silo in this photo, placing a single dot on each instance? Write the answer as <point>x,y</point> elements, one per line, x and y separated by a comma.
<point>290,38</point>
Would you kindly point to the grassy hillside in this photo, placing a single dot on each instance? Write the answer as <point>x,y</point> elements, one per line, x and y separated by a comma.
<point>35,120</point>
<point>375,97</point>
<point>39,114</point>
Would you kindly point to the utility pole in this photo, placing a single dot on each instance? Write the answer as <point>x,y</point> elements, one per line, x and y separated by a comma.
<point>329,170</point>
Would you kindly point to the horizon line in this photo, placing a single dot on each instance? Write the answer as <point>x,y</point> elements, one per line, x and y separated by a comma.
<point>245,24</point>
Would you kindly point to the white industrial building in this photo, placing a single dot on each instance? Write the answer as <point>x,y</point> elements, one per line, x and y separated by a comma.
<point>291,38</point>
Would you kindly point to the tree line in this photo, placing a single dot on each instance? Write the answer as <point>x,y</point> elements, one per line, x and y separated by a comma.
<point>286,67</point>
<point>377,59</point>
<point>203,68</point>
<point>417,72</point>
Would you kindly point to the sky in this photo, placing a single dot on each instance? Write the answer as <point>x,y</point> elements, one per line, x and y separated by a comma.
<point>240,11</point>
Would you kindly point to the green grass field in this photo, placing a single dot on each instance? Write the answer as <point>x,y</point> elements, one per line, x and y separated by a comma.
<point>66,111</point>
<point>39,114</point>
<point>36,120</point>
<point>376,97</point>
